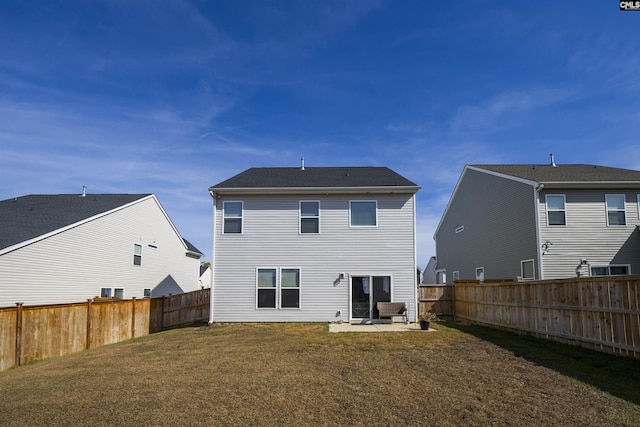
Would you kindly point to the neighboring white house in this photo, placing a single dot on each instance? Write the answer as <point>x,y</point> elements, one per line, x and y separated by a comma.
<point>69,248</point>
<point>205,277</point>
<point>312,244</point>
<point>540,222</point>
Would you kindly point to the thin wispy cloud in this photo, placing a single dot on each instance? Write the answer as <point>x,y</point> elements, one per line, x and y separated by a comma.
<point>172,97</point>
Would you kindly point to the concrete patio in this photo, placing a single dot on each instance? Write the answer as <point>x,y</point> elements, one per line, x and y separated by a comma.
<point>375,327</point>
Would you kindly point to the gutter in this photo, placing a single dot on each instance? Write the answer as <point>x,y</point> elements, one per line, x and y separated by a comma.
<point>213,258</point>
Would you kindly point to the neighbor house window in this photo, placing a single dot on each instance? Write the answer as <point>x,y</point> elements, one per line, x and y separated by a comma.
<point>526,270</point>
<point>118,293</point>
<point>615,209</point>
<point>610,270</point>
<point>105,292</point>
<point>363,214</point>
<point>266,287</point>
<point>309,217</point>
<point>480,273</point>
<point>456,276</point>
<point>556,213</point>
<point>232,217</point>
<point>137,254</point>
<point>290,288</point>
<point>146,293</point>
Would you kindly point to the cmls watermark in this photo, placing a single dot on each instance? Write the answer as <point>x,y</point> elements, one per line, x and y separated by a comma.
<point>630,5</point>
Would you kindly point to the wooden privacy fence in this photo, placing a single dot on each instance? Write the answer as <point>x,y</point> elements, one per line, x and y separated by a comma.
<point>30,333</point>
<point>438,298</point>
<point>602,313</point>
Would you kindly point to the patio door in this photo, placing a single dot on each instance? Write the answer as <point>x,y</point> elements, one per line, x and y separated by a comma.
<point>366,292</point>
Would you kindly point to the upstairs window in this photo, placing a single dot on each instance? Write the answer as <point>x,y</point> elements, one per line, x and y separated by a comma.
<point>137,254</point>
<point>616,214</point>
<point>363,214</point>
<point>480,273</point>
<point>232,217</point>
<point>309,217</point>
<point>556,213</point>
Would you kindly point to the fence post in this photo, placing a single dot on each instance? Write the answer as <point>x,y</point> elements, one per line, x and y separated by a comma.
<point>162,314</point>
<point>18,334</point>
<point>88,344</point>
<point>133,318</point>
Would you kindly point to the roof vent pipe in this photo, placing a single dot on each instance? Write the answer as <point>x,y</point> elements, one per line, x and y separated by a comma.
<point>553,162</point>
<point>84,191</point>
<point>302,163</point>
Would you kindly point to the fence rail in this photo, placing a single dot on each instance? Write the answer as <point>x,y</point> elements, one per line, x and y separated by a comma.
<point>30,333</point>
<point>602,313</point>
<point>438,298</point>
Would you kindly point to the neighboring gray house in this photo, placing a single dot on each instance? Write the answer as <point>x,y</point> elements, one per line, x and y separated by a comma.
<point>312,244</point>
<point>69,248</point>
<point>540,222</point>
<point>429,274</point>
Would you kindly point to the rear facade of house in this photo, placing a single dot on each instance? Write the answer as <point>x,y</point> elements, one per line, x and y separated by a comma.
<point>68,248</point>
<point>312,244</point>
<point>540,222</point>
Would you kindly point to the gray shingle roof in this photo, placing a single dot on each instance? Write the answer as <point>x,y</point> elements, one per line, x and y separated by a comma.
<point>316,177</point>
<point>27,217</point>
<point>565,173</point>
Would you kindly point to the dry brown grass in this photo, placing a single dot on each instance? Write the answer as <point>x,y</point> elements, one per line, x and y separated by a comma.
<point>286,374</point>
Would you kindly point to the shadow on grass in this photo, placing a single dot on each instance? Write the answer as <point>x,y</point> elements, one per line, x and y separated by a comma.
<point>616,375</point>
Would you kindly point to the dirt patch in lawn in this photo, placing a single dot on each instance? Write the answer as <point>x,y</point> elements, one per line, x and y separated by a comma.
<point>284,374</point>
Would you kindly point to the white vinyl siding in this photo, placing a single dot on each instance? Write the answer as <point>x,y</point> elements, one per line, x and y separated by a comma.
<point>271,239</point>
<point>588,236</point>
<point>71,273</point>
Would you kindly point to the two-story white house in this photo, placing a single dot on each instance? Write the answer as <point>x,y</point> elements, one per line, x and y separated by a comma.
<point>312,244</point>
<point>64,248</point>
<point>540,222</point>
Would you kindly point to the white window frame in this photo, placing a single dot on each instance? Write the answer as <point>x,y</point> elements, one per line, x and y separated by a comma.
<point>456,276</point>
<point>281,288</point>
<point>224,216</point>
<point>278,288</point>
<point>480,269</point>
<point>564,210</point>
<point>301,217</point>
<point>139,256</point>
<point>624,209</point>
<point>275,288</point>
<point>533,269</point>
<point>608,267</point>
<point>441,276</point>
<point>375,202</point>
<point>112,292</point>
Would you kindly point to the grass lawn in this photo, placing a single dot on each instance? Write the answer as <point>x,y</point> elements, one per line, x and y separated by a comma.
<point>300,374</point>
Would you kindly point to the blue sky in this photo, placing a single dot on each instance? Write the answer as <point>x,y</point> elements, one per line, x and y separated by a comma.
<point>171,97</point>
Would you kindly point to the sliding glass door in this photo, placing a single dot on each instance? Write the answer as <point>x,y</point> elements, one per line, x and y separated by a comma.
<point>366,292</point>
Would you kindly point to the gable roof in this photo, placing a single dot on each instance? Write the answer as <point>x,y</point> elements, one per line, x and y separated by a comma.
<point>316,178</point>
<point>583,176</point>
<point>574,173</point>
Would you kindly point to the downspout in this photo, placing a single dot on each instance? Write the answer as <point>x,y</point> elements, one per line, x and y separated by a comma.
<point>213,258</point>
<point>536,203</point>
